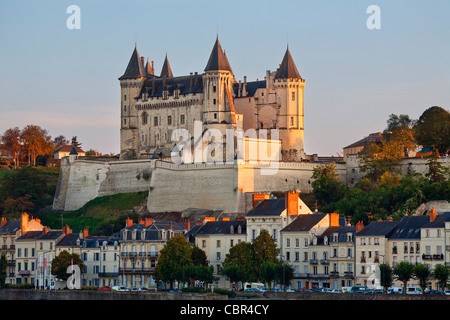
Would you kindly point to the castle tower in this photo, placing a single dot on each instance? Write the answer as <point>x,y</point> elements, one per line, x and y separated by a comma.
<point>131,83</point>
<point>218,79</point>
<point>289,86</point>
<point>166,71</point>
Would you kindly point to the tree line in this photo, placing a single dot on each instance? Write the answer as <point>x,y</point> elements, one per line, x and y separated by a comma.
<point>31,142</point>
<point>383,191</point>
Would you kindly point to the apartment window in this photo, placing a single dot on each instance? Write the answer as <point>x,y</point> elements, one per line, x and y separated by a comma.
<point>203,243</point>
<point>51,245</point>
<point>25,253</point>
<point>19,253</point>
<point>297,256</point>
<point>305,256</point>
<point>288,256</point>
<point>306,242</point>
<point>335,252</point>
<point>288,243</point>
<point>218,243</point>
<point>218,256</point>
<point>253,234</point>
<point>231,242</point>
<point>297,242</point>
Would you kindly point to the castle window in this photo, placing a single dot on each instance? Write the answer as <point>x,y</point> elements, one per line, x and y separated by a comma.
<point>155,121</point>
<point>214,88</point>
<point>144,117</point>
<point>124,121</point>
<point>293,96</point>
<point>215,115</point>
<point>182,119</point>
<point>125,109</point>
<point>169,120</point>
<point>125,97</point>
<point>214,101</point>
<point>292,121</point>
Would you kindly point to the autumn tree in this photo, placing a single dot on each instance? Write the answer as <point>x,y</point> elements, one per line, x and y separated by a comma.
<point>36,142</point>
<point>11,143</point>
<point>64,260</point>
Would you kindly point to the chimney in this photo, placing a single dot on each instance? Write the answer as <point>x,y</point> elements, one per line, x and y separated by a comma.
<point>142,222</point>
<point>190,81</point>
<point>148,222</point>
<point>239,217</point>
<point>24,222</point>
<point>128,223</point>
<point>389,219</point>
<point>199,222</point>
<point>46,230</point>
<point>3,222</point>
<point>195,79</point>
<point>432,214</point>
<point>257,197</point>
<point>85,233</point>
<point>334,219</point>
<point>66,230</point>
<point>359,226</point>
<point>187,224</point>
<point>291,203</point>
<point>171,225</point>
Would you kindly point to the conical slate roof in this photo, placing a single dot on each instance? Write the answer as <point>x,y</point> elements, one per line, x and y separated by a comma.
<point>218,60</point>
<point>134,70</point>
<point>166,70</point>
<point>148,69</point>
<point>287,69</point>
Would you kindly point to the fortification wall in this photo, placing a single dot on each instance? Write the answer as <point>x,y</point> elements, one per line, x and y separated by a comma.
<point>83,180</point>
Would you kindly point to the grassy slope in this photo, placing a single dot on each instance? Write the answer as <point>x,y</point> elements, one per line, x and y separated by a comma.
<point>96,212</point>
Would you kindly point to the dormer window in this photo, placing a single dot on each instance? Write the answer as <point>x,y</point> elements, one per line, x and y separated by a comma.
<point>165,95</point>
<point>176,94</point>
<point>232,229</point>
<point>239,229</point>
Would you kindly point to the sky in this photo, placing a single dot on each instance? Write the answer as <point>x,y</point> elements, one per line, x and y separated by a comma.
<point>66,80</point>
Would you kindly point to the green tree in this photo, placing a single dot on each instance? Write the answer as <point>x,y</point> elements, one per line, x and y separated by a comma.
<point>404,272</point>
<point>441,274</point>
<point>63,261</point>
<point>175,256</point>
<point>436,171</point>
<point>264,248</point>
<point>242,256</point>
<point>422,272</point>
<point>199,257</point>
<point>235,274</point>
<point>3,264</point>
<point>386,276</point>
<point>327,186</point>
<point>23,182</point>
<point>268,273</point>
<point>285,273</point>
<point>433,129</point>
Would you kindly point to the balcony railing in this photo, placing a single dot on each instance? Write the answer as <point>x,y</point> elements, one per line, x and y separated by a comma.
<point>137,270</point>
<point>334,274</point>
<point>348,274</point>
<point>313,261</point>
<point>108,274</point>
<point>324,261</point>
<point>11,262</point>
<point>433,257</point>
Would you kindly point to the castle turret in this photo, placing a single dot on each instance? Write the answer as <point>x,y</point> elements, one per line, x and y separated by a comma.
<point>218,80</point>
<point>289,86</point>
<point>166,71</point>
<point>131,83</point>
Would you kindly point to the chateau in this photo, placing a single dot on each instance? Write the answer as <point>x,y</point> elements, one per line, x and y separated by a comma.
<point>152,105</point>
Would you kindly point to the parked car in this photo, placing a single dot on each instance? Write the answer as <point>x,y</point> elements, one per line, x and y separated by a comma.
<point>413,290</point>
<point>104,288</point>
<point>143,289</point>
<point>336,291</point>
<point>303,290</point>
<point>370,291</point>
<point>359,289</point>
<point>326,290</point>
<point>175,291</point>
<point>433,292</point>
<point>446,292</point>
<point>378,291</point>
<point>395,291</point>
<point>134,290</point>
<point>120,289</point>
<point>263,289</point>
<point>251,290</point>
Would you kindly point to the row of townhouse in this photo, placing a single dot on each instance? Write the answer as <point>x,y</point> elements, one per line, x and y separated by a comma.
<point>415,239</point>
<point>127,258</point>
<point>323,249</point>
